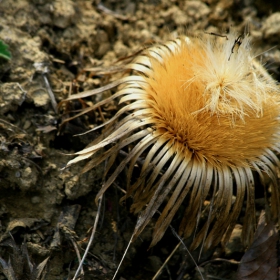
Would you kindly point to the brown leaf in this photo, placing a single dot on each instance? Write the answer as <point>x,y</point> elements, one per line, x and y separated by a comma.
<point>260,260</point>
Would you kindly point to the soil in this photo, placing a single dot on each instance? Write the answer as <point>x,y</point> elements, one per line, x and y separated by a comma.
<point>58,47</point>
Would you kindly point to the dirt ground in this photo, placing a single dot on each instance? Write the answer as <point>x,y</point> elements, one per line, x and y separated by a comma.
<point>57,47</point>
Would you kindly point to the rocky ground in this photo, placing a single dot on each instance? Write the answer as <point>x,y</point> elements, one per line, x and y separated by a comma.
<point>61,47</point>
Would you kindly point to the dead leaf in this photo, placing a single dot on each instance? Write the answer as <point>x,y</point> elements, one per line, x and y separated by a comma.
<point>16,224</point>
<point>260,260</point>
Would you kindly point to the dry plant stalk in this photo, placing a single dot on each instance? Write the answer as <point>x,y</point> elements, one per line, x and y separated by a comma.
<point>204,114</point>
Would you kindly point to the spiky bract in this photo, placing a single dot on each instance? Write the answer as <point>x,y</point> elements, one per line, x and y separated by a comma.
<point>202,115</point>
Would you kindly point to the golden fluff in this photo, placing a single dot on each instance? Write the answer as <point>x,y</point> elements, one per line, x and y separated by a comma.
<point>201,114</point>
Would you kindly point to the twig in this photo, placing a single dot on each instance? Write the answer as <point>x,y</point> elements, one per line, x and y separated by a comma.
<point>189,253</point>
<point>220,260</point>
<point>51,95</point>
<point>91,238</point>
<point>130,241</point>
<point>166,261</point>
<point>78,254</point>
<point>43,69</point>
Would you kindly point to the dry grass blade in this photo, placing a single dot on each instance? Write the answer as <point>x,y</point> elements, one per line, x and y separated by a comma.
<point>37,271</point>
<point>18,258</point>
<point>166,261</point>
<point>127,247</point>
<point>260,260</point>
<point>94,91</point>
<point>7,269</point>
<point>189,253</point>
<point>20,265</point>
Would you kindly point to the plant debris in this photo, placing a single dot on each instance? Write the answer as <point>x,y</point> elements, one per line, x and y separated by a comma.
<point>19,266</point>
<point>260,260</point>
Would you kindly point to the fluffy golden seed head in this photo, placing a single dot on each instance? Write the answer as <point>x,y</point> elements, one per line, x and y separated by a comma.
<point>212,104</point>
<point>201,114</point>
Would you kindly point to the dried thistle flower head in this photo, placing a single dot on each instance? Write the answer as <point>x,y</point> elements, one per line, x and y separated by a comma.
<point>202,115</point>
